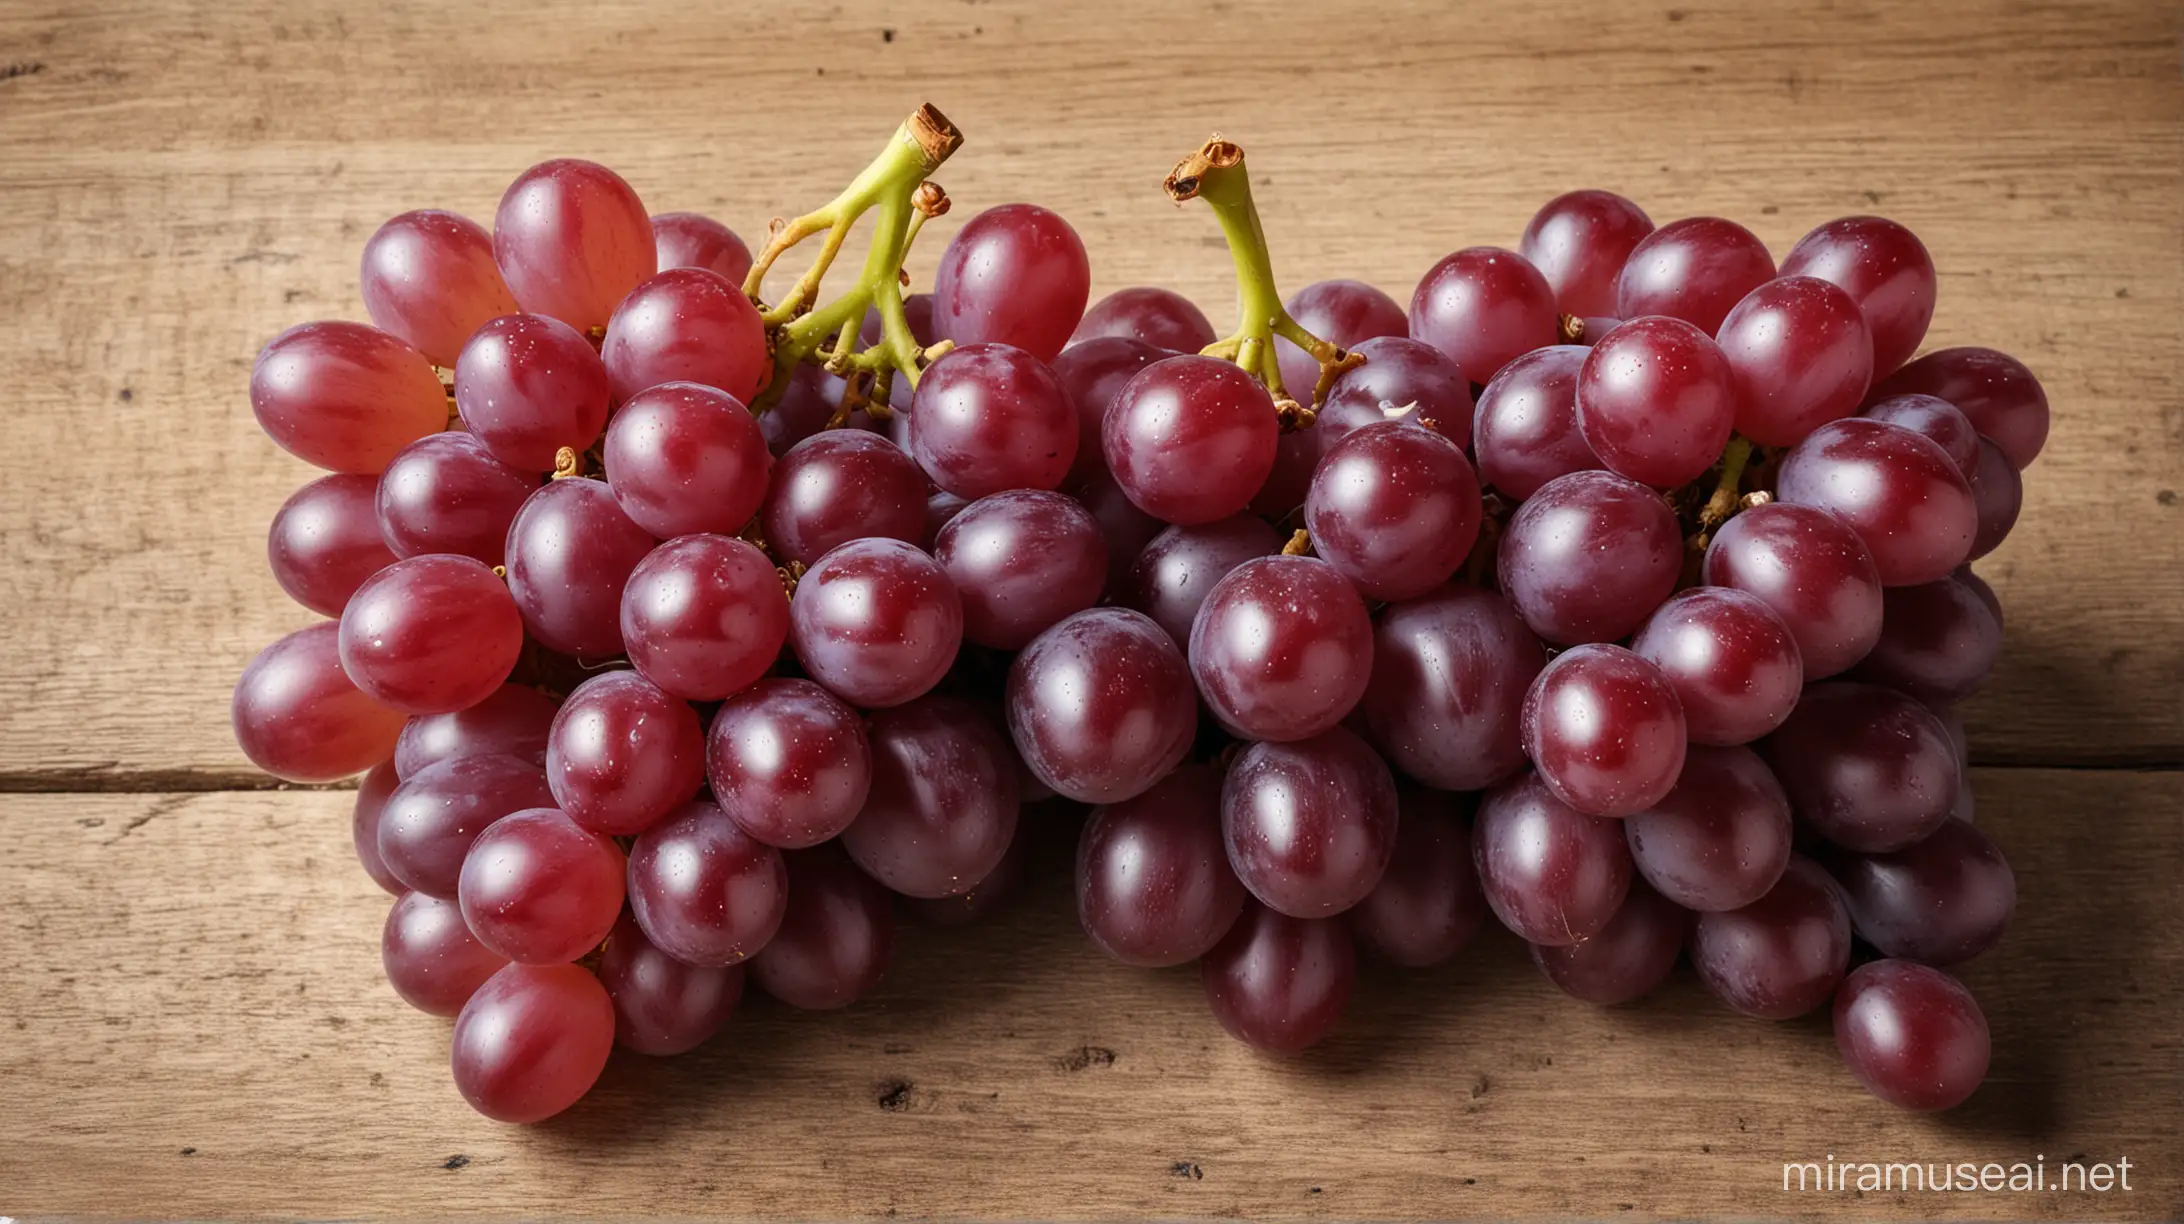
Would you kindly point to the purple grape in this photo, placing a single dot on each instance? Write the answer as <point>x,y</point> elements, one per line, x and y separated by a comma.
<point>1801,356</point>
<point>298,716</point>
<point>325,540</point>
<point>1401,380</point>
<point>704,891</point>
<point>1021,561</point>
<point>835,938</point>
<point>683,458</point>
<point>1813,571</point>
<point>1309,825</point>
<point>1394,508</point>
<point>1589,556</point>
<point>431,958</point>
<point>1898,490</point>
<point>345,397</point>
<point>431,634</point>
<point>1282,648</point>
<point>528,386</point>
<point>371,803</point>
<point>1655,401</point>
<point>1450,671</point>
<point>703,616</point>
<point>1427,905</point>
<point>1278,983</point>
<point>448,494</point>
<point>839,486</point>
<point>572,239</point>
<point>428,276</point>
<point>1093,372</point>
<point>1731,660</point>
<point>538,888</point>
<point>1937,420</point>
<point>514,721</point>
<point>1867,767</point>
<point>1015,274</point>
<point>1626,959</point>
<point>1912,1035</point>
<point>1154,886</point>
<point>1605,730</point>
<point>1484,307</point>
<point>1885,269</point>
<point>1993,390</point>
<point>1694,269</point>
<point>789,762</point>
<point>1939,901</point>
<point>1159,317</point>
<point>622,754</point>
<point>1552,874</point>
<point>570,552</point>
<point>687,325</point>
<point>1998,493</point>
<point>877,622</point>
<point>688,240</point>
<point>1782,955</point>
<point>1525,428</point>
<point>990,418</point>
<point>1345,313</point>
<point>1938,642</point>
<point>1126,528</point>
<point>1190,439</point>
<point>1179,568</point>
<point>431,820</point>
<point>1101,705</point>
<point>532,1041</point>
<point>661,1005</point>
<point>1721,838</point>
<point>1579,241</point>
<point>943,802</point>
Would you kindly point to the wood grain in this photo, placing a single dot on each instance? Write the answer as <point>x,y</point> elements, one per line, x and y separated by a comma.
<point>201,1029</point>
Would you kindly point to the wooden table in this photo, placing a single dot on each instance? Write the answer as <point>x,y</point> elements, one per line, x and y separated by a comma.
<point>193,1020</point>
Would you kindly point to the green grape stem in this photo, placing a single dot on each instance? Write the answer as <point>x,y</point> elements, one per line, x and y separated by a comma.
<point>1215,173</point>
<point>894,189</point>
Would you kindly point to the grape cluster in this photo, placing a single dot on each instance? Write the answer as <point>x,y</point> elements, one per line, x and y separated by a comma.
<point>1616,588</point>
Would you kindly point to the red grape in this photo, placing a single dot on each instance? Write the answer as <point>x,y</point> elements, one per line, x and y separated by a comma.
<point>623,754</point>
<point>984,897</point>
<point>1401,380</point>
<point>1626,959</point>
<point>1811,568</point>
<point>538,888</point>
<point>703,616</point>
<point>839,486</point>
<point>325,542</point>
<point>572,239</point>
<point>345,397</point>
<point>1450,671</point>
<point>371,802</point>
<point>431,634</point>
<point>688,240</point>
<point>1937,420</point>
<point>1884,268</point>
<point>1309,825</point>
<point>1938,642</point>
<point>704,891</point>
<point>1282,648</point>
<point>1127,529</point>
<point>1993,390</point>
<point>1172,577</point>
<point>433,818</point>
<point>298,716</point>
<point>1154,886</point>
<point>1279,983</point>
<point>1159,317</point>
<point>527,386</point>
<point>448,494</point>
<point>1101,706</point>
<point>1939,901</point>
<point>1605,730</point>
<point>1021,561</point>
<point>661,1005</point>
<point>835,938</point>
<point>1552,874</point>
<point>1721,838</point>
<point>432,960</point>
<point>1731,660</point>
<point>514,720</point>
<point>789,762</point>
<point>570,552</point>
<point>1589,556</point>
<point>1694,269</point>
<point>877,622</point>
<point>1093,372</point>
<point>687,325</point>
<point>1427,905</point>
<point>1296,457</point>
<point>942,807</point>
<point>1998,493</point>
<point>1394,508</point>
<point>1867,767</point>
<point>1190,439</point>
<point>1345,313</point>
<point>1655,401</point>
<point>1525,428</point>
<point>1579,241</point>
<point>428,276</point>
<point>1898,490</point>
<point>1015,274</point>
<point>1912,1035</point>
<point>532,1041</point>
<point>1782,955</point>
<point>1801,356</point>
<point>1484,307</point>
<point>682,458</point>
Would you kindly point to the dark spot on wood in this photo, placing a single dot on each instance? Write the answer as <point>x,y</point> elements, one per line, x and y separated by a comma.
<point>1707,1148</point>
<point>262,255</point>
<point>21,69</point>
<point>2124,292</point>
<point>455,1162</point>
<point>894,1096</point>
<point>339,1022</point>
<point>93,822</point>
<point>1313,1190</point>
<point>1873,197</point>
<point>895,1047</point>
<point>378,1080</point>
<point>887,35</point>
<point>189,1151</point>
<point>1677,14</point>
<point>1187,1169</point>
<point>1479,1085</point>
<point>127,394</point>
<point>292,295</point>
<point>1769,210</point>
<point>1086,1057</point>
<point>1625,1206</point>
<point>1471,1181</point>
<point>2166,497</point>
<point>822,71</point>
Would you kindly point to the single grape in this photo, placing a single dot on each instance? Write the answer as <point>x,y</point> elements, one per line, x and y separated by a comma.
<point>687,325</point>
<point>682,458</point>
<point>1190,439</point>
<point>1937,420</point>
<point>839,486</point>
<point>1733,663</point>
<point>1309,825</point>
<point>1694,269</point>
<point>704,891</point>
<point>661,1005</point>
<point>703,616</point>
<point>1801,356</point>
<point>1101,705</point>
<point>572,239</point>
<point>1867,767</point>
<point>1127,529</point>
<point>1579,241</point>
<point>539,888</point>
<point>431,820</point>
<point>789,762</point>
<point>1427,905</point>
<point>1394,509</point>
<point>532,1041</point>
<point>1885,269</point>
<point>623,754</point>
<point>1782,955</point>
<point>1401,380</point>
<point>432,960</point>
<point>1626,959</point>
<point>345,397</point>
<point>1552,874</point>
<point>298,716</point>
<point>1345,313</point>
<point>1093,372</point>
<point>570,552</point>
<point>431,634</point>
<point>1938,642</point>
<point>1484,307</point>
<point>1022,560</point>
<point>1015,274</point>
<point>1525,428</point>
<point>943,801</point>
<point>448,494</point>
<point>1159,317</point>
<point>428,276</point>
<point>1721,838</point>
<point>1939,901</point>
<point>1605,730</point>
<point>835,937</point>
<point>528,386</point>
<point>1172,577</point>
<point>688,240</point>
<point>983,898</point>
<point>371,801</point>
<point>1898,490</point>
<point>1450,671</point>
<point>1993,390</point>
<point>325,542</point>
<point>1278,983</point>
<point>1154,886</point>
<point>513,721</point>
<point>1998,493</point>
<point>877,622</point>
<point>1811,568</point>
<point>1282,648</point>
<point>1912,1035</point>
<point>1980,588</point>
<point>1589,556</point>
<point>1655,401</point>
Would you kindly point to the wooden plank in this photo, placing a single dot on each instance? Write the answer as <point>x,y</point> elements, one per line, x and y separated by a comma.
<point>200,1028</point>
<point>181,183</point>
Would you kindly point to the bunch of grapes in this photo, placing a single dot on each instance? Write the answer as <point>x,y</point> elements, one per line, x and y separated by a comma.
<point>1616,588</point>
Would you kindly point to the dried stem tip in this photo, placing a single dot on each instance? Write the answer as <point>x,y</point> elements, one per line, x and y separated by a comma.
<point>1216,154</point>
